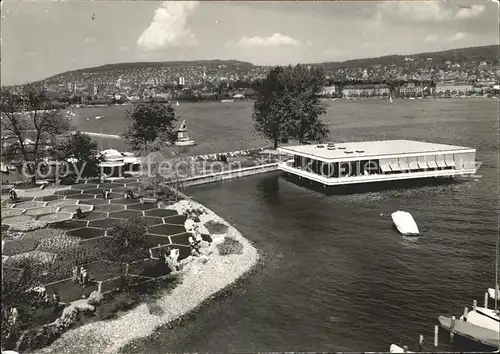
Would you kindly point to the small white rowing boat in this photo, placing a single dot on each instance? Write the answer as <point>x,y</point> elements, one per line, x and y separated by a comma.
<point>397,349</point>
<point>404,223</point>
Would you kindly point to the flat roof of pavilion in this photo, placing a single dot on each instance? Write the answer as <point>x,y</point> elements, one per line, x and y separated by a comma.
<point>370,149</point>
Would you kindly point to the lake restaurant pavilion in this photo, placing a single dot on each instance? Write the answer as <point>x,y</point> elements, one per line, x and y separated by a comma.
<point>336,164</point>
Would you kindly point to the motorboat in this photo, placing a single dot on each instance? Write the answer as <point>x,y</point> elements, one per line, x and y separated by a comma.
<point>98,117</point>
<point>404,223</point>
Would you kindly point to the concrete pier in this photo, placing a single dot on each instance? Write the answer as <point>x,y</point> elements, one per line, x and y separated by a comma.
<point>230,174</point>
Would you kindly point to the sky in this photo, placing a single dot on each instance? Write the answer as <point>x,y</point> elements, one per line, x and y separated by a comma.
<point>43,38</point>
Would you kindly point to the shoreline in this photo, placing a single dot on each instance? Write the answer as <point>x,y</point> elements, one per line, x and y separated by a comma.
<point>199,285</point>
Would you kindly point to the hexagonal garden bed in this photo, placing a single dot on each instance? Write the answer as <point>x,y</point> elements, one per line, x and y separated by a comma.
<point>125,214</point>
<point>27,205</point>
<point>61,203</point>
<point>68,225</point>
<point>86,232</point>
<point>160,212</point>
<point>13,247</point>
<point>176,219</point>
<point>40,211</point>
<point>149,268</point>
<point>181,239</point>
<point>166,229</point>
<point>6,212</point>
<point>91,215</point>
<point>106,223</point>
<point>55,217</point>
<point>155,240</point>
<point>11,220</point>
<point>73,208</point>
<point>139,206</point>
<point>109,207</point>
<point>151,220</point>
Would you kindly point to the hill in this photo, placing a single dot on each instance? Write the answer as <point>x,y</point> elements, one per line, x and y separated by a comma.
<point>488,53</point>
<point>229,65</point>
<point>471,56</point>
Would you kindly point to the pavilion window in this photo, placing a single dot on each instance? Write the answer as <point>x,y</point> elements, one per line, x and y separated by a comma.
<point>344,169</point>
<point>450,162</point>
<point>440,162</point>
<point>431,163</point>
<point>403,164</point>
<point>413,164</point>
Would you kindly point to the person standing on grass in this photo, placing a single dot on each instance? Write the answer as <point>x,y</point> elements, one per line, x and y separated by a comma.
<point>56,299</point>
<point>75,274</point>
<point>83,276</point>
<point>13,195</point>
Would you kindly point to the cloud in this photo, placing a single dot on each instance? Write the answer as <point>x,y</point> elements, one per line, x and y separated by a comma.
<point>169,27</point>
<point>123,48</point>
<point>470,11</point>
<point>457,36</point>
<point>276,39</point>
<point>89,40</point>
<point>431,38</point>
<point>415,11</point>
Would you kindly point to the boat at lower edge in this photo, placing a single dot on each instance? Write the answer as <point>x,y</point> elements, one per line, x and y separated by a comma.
<point>484,336</point>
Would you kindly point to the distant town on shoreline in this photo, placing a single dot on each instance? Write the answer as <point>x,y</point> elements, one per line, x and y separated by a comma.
<point>471,71</point>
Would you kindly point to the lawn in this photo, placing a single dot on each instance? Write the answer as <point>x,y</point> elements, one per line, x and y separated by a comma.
<point>69,291</point>
<point>149,268</point>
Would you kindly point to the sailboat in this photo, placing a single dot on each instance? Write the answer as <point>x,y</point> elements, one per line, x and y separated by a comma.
<point>390,99</point>
<point>177,103</point>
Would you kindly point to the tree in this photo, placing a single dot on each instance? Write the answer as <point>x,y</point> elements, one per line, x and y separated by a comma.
<point>288,106</point>
<point>31,123</point>
<point>82,152</point>
<point>129,240</point>
<point>150,121</point>
<point>304,86</point>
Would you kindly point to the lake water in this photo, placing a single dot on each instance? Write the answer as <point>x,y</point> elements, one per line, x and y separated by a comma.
<point>335,275</point>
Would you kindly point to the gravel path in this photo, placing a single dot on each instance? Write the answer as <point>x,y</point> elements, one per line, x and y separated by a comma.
<point>199,282</point>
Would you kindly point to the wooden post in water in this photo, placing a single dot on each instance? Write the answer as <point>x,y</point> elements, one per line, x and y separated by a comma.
<point>405,348</point>
<point>466,312</point>
<point>486,295</point>
<point>436,335</point>
<point>452,328</point>
<point>420,342</point>
<point>99,286</point>
<point>474,305</point>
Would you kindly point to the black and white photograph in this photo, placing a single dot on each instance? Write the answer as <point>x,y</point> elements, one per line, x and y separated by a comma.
<point>250,176</point>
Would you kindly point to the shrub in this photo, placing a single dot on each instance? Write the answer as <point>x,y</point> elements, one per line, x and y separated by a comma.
<point>215,227</point>
<point>120,302</point>
<point>28,226</point>
<point>154,308</point>
<point>59,243</point>
<point>230,246</point>
<point>129,239</point>
<point>94,298</point>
